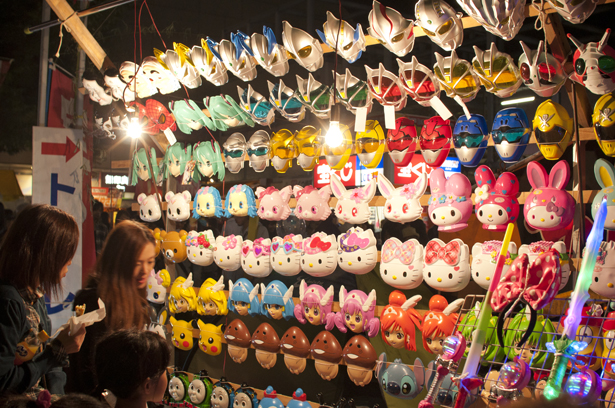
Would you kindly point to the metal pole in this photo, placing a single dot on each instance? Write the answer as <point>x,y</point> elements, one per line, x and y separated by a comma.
<point>43,68</point>
<point>80,70</point>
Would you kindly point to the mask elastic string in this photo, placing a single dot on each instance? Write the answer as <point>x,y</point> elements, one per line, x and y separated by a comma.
<point>540,24</point>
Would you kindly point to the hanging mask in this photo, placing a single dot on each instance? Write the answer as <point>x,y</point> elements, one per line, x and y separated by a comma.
<point>309,146</point>
<point>511,132</point>
<point>258,150</point>
<point>208,159</point>
<point>180,64</point>
<point>159,116</point>
<point>303,48</point>
<point>95,88</point>
<point>119,115</point>
<point>207,64</point>
<point>283,150</point>
<point>603,119</point>
<point>440,22</point>
<point>470,138</point>
<point>226,113</point>
<point>117,87</point>
<point>315,96</point>
<point>146,124</point>
<point>497,71</point>
<point>352,92</point>
<point>256,105</point>
<point>575,11</point>
<point>503,19</point>
<point>286,102</point>
<point>139,84</point>
<point>369,144</point>
<point>337,157</point>
<point>391,29</point>
<point>541,72</point>
<point>385,87</point>
<point>594,65</point>
<point>418,81</point>
<point>553,129</point>
<point>103,123</point>
<point>351,42</point>
<point>189,116</point>
<point>456,77</point>
<point>270,55</point>
<point>401,142</point>
<point>236,55</point>
<point>234,149</point>
<point>435,140</point>
<point>159,75</point>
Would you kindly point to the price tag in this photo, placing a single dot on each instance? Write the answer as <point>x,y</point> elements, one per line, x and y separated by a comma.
<point>360,118</point>
<point>170,136</point>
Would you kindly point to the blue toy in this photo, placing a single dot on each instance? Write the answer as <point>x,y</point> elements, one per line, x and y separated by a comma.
<point>240,201</point>
<point>270,399</point>
<point>243,298</point>
<point>299,400</point>
<point>398,380</point>
<point>470,138</point>
<point>277,300</point>
<point>511,132</point>
<point>207,203</point>
<point>223,394</point>
<point>445,396</point>
<point>245,397</point>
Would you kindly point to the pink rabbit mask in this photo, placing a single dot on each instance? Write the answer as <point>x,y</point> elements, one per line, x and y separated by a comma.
<point>496,201</point>
<point>450,205</point>
<point>353,205</point>
<point>403,204</point>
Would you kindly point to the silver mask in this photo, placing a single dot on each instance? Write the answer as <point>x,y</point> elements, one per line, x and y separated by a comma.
<point>497,71</point>
<point>315,96</point>
<point>540,82</point>
<point>352,92</point>
<point>305,49</point>
<point>270,55</point>
<point>256,105</point>
<point>418,81</point>
<point>440,23</point>
<point>159,76</point>
<point>391,29</point>
<point>237,56</point>
<point>286,102</point>
<point>572,11</point>
<point>140,85</point>
<point>234,150</point>
<point>466,85</point>
<point>386,87</point>
<point>351,42</point>
<point>180,64</point>
<point>503,18</point>
<point>259,150</point>
<point>208,65</point>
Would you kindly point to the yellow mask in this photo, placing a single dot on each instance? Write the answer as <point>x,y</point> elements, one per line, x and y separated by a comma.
<point>603,119</point>
<point>337,157</point>
<point>553,129</point>
<point>369,144</point>
<point>283,150</point>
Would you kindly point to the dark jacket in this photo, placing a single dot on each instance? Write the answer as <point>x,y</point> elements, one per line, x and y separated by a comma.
<point>14,327</point>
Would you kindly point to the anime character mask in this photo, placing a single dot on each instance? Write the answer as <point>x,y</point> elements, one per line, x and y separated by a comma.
<point>391,29</point>
<point>277,300</point>
<point>511,131</point>
<point>418,81</point>
<point>484,259</point>
<point>401,141</point>
<point>309,144</point>
<point>435,140</point>
<point>456,77</point>
<point>503,19</point>
<point>553,129</point>
<point>303,48</point>
<point>236,55</point>
<point>270,55</point>
<point>470,138</point>
<point>283,150</point>
<point>603,120</point>
<point>496,201</point>
<point>351,42</point>
<point>450,204</point>
<point>497,71</point>
<point>402,204</point>
<point>594,64</point>
<point>234,150</point>
<point>369,144</point>
<point>256,105</point>
<point>541,72</point>
<point>159,75</point>
<point>440,22</point>
<point>286,102</point>
<point>385,87</point>
<point>315,96</point>
<point>208,65</point>
<point>226,113</point>
<point>447,266</point>
<point>258,149</point>
<point>352,92</point>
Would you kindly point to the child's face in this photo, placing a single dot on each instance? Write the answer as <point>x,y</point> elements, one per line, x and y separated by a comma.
<point>312,314</point>
<point>435,344</point>
<point>275,311</point>
<point>395,338</point>
<point>354,322</point>
<point>241,307</point>
<point>181,305</point>
<point>160,388</point>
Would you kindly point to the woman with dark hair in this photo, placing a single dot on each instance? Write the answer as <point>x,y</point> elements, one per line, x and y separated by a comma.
<point>120,280</point>
<point>34,257</point>
<point>132,365</point>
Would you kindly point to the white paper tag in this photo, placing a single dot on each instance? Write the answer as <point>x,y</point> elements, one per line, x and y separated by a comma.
<point>461,103</point>
<point>440,108</point>
<point>170,136</point>
<point>389,116</point>
<point>360,118</point>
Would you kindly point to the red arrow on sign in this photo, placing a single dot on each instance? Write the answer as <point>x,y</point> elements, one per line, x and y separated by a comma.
<point>68,149</point>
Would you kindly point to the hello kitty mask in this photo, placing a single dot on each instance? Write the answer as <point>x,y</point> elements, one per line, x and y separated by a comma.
<point>312,203</point>
<point>357,251</point>
<point>496,201</point>
<point>450,204</point>
<point>352,205</point>
<point>255,260</point>
<point>227,252</point>
<point>535,249</point>
<point>178,205</point>
<point>401,264</point>
<point>447,266</point>
<point>484,259</point>
<point>319,256</point>
<point>286,254</point>
<point>549,207</point>
<point>603,279</point>
<point>200,247</point>
<point>149,207</point>
<point>273,204</point>
<point>403,204</point>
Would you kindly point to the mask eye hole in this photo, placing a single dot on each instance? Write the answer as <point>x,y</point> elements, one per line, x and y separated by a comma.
<point>606,64</point>
<point>398,37</point>
<point>579,66</point>
<point>525,71</point>
<point>444,28</point>
<point>305,51</point>
<point>348,46</point>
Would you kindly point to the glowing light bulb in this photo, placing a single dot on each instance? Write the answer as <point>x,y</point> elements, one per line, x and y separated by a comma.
<point>334,137</point>
<point>134,129</point>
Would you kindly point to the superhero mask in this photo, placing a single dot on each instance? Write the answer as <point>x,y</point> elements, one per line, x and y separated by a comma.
<point>207,64</point>
<point>594,65</point>
<point>283,150</point>
<point>401,141</point>
<point>418,81</point>
<point>256,105</point>
<point>337,157</point>
<point>603,120</point>
<point>456,77</point>
<point>385,87</point>
<point>503,19</point>
<point>315,96</point>
<point>553,129</point>
<point>309,145</point>
<point>541,72</point>
<point>369,144</point>
<point>180,64</point>
<point>391,29</point>
<point>159,75</point>
<point>302,47</point>
<point>286,102</point>
<point>351,42</point>
<point>270,55</point>
<point>236,55</point>
<point>136,82</point>
<point>470,138</point>
<point>574,11</point>
<point>497,71</point>
<point>435,140</point>
<point>511,131</point>
<point>352,92</point>
<point>234,150</point>
<point>440,22</point>
<point>259,149</point>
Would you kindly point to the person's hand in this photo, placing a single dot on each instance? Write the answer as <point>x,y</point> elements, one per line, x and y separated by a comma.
<point>72,343</point>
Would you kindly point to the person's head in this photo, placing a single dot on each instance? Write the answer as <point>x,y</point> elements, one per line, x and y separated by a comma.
<point>122,215</point>
<point>77,401</point>
<point>38,247</point>
<point>122,270</point>
<point>132,364</point>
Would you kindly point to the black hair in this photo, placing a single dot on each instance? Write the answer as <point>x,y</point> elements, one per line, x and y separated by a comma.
<point>125,359</point>
<point>77,401</point>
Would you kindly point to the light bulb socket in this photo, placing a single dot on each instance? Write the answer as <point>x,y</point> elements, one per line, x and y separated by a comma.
<point>335,113</point>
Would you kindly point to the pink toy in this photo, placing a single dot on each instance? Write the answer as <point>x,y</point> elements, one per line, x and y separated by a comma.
<point>356,314</point>
<point>549,206</point>
<point>319,256</point>
<point>178,205</point>
<point>149,207</point>
<point>316,303</point>
<point>401,265</point>
<point>496,201</point>
<point>357,251</point>
<point>403,204</point>
<point>450,204</point>
<point>286,254</point>
<point>352,205</point>
<point>200,247</point>
<point>227,252</point>
<point>447,266</point>
<point>312,204</point>
<point>273,203</point>
<point>255,257</point>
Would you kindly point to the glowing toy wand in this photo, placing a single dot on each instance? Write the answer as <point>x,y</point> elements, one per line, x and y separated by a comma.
<point>566,346</point>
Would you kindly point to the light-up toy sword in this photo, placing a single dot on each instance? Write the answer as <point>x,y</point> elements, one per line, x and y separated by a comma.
<point>565,347</point>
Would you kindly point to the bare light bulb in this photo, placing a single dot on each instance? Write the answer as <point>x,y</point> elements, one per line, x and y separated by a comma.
<point>134,129</point>
<point>334,137</point>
